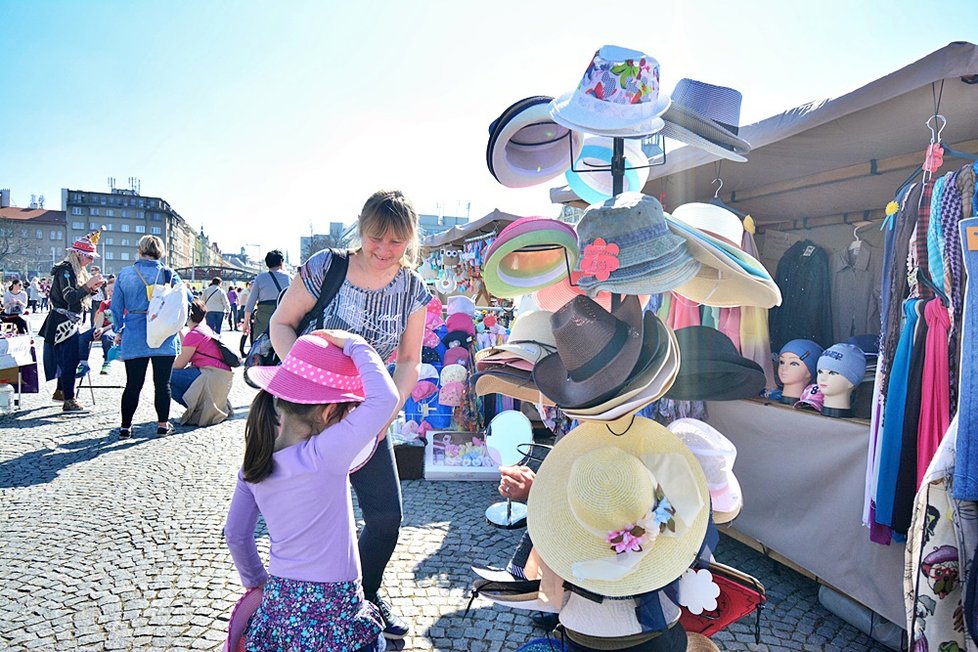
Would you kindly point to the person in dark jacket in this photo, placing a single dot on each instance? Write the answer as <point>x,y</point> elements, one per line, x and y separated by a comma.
<point>71,295</point>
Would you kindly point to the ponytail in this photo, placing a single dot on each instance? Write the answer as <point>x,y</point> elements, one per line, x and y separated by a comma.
<point>260,432</point>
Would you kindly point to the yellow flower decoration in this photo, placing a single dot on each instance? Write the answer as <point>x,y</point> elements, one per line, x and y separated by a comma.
<point>892,208</point>
<point>749,225</point>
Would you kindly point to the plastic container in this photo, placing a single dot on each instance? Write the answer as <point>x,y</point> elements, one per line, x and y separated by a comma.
<point>6,398</point>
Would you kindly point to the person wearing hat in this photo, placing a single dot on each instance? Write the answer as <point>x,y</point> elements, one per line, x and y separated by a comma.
<point>797,367</point>
<point>313,416</point>
<point>71,296</point>
<point>840,369</point>
<point>383,300</point>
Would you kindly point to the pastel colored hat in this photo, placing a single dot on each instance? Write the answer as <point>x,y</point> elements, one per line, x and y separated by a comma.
<point>590,177</point>
<point>811,397</point>
<point>554,297</point>
<point>423,389</point>
<point>846,359</point>
<point>596,351</point>
<point>456,355</point>
<point>531,338</point>
<point>807,351</point>
<point>514,383</point>
<point>432,321</point>
<point>727,277</point>
<point>313,372</point>
<point>529,254</point>
<point>619,95</point>
<point>716,455</point>
<point>628,248</point>
<point>243,610</point>
<point>713,220</point>
<point>86,245</point>
<point>712,369</point>
<point>451,393</point>
<point>653,375</point>
<point>460,322</point>
<point>434,306</point>
<point>461,304</point>
<point>453,373</point>
<point>526,147</point>
<point>707,117</point>
<point>619,508</point>
<point>427,372</point>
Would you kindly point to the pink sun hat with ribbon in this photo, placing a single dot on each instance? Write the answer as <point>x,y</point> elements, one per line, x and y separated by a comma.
<point>313,372</point>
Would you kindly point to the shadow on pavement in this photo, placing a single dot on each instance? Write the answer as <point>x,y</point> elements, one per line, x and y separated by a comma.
<point>44,464</point>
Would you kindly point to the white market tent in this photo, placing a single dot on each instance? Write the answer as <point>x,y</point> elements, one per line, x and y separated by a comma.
<point>838,156</point>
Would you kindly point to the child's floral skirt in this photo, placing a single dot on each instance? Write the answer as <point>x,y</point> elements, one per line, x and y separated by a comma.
<point>310,616</point>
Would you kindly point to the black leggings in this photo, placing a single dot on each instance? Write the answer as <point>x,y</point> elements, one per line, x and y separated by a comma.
<point>136,375</point>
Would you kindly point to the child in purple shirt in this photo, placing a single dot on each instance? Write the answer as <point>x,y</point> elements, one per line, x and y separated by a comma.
<point>313,418</point>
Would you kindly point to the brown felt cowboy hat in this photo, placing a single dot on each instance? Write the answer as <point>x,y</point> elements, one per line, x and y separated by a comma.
<point>596,351</point>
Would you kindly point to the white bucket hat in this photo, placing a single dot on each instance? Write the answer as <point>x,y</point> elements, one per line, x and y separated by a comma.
<point>716,454</point>
<point>619,95</point>
<point>527,147</point>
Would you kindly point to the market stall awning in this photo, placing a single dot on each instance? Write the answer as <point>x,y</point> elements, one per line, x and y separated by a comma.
<point>836,156</point>
<point>493,222</point>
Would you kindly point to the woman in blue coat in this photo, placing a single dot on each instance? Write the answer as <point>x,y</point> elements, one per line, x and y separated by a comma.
<point>129,304</point>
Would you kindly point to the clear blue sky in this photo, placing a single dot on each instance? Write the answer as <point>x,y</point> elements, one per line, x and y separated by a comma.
<point>259,119</point>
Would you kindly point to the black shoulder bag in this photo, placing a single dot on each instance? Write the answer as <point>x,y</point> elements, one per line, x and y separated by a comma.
<point>261,352</point>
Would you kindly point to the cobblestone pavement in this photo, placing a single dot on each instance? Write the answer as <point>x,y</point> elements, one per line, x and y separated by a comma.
<point>109,545</point>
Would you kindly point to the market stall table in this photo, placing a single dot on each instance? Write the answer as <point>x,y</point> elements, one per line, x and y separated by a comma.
<point>18,364</point>
<point>802,476</point>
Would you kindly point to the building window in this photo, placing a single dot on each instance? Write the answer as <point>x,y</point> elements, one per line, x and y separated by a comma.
<point>108,227</point>
<point>109,241</point>
<point>103,200</point>
<point>124,228</point>
<point>75,196</point>
<point>125,242</point>
<point>93,211</point>
<point>76,210</point>
<point>156,217</point>
<point>39,234</point>
<point>140,228</point>
<point>140,215</point>
<point>124,255</point>
<point>157,230</point>
<point>23,233</point>
<point>109,255</point>
<point>78,226</point>
<point>109,212</point>
<point>93,225</point>
<point>54,235</point>
<point>125,213</point>
<point>142,202</point>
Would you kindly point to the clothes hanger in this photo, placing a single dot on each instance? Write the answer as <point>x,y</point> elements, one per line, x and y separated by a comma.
<point>716,201</point>
<point>856,243</point>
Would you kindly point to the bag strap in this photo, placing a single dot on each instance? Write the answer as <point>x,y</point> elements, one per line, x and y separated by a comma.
<point>335,275</point>
<point>278,286</point>
<point>211,295</point>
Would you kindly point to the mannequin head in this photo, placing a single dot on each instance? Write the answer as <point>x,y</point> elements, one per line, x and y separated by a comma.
<point>840,369</point>
<point>796,366</point>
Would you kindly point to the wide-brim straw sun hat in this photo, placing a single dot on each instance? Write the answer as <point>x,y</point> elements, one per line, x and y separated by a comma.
<point>602,478</point>
<point>713,220</point>
<point>510,382</point>
<point>707,117</point>
<point>590,177</point>
<point>627,247</point>
<point>619,95</point>
<point>529,254</point>
<point>648,386</point>
<point>699,643</point>
<point>596,351</point>
<point>723,279</point>
<point>526,147</point>
<point>313,372</point>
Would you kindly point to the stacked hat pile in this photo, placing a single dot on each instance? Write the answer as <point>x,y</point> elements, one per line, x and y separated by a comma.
<point>622,506</point>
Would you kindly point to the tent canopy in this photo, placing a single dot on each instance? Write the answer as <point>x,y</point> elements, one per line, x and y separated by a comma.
<point>493,222</point>
<point>839,156</point>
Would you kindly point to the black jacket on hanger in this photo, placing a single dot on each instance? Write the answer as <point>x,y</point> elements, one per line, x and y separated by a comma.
<point>806,308</point>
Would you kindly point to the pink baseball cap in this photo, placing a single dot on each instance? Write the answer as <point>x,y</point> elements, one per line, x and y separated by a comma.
<point>314,372</point>
<point>812,397</point>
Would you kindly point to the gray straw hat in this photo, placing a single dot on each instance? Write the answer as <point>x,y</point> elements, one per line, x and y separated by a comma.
<point>707,117</point>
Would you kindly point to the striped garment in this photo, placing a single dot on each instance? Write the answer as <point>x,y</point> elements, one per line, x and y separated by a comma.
<point>379,316</point>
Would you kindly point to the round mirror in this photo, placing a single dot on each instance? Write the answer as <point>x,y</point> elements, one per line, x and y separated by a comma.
<point>506,433</point>
<point>507,515</point>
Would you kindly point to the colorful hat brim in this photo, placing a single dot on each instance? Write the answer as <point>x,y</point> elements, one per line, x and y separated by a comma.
<point>520,165</point>
<point>561,541</point>
<point>597,186</point>
<point>572,111</point>
<point>529,261</point>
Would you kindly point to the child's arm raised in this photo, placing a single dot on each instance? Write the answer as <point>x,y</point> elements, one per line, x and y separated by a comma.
<point>239,533</point>
<point>342,441</point>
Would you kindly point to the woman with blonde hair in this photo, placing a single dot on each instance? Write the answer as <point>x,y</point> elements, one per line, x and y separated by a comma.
<point>130,300</point>
<point>382,299</point>
<point>71,296</point>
